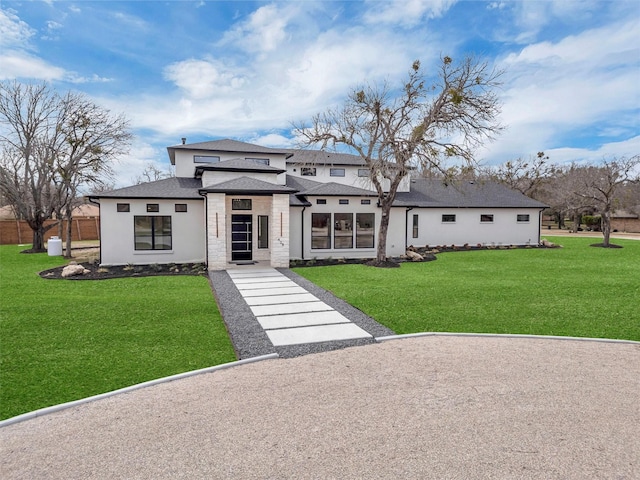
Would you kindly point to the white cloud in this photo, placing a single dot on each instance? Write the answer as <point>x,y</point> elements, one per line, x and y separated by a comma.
<point>406,12</point>
<point>263,31</point>
<point>17,64</point>
<point>204,78</point>
<point>13,31</point>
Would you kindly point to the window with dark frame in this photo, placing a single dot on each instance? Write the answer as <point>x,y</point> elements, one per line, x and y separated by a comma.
<point>181,207</point>
<point>153,207</point>
<point>308,171</point>
<point>206,159</point>
<point>448,218</point>
<point>152,232</point>
<point>123,207</point>
<point>363,172</point>
<point>365,202</point>
<point>343,201</point>
<point>343,230</point>
<point>240,204</point>
<point>365,236</point>
<point>321,201</point>
<point>336,172</point>
<point>263,231</point>
<point>523,218</point>
<point>320,230</point>
<point>415,226</point>
<point>486,218</point>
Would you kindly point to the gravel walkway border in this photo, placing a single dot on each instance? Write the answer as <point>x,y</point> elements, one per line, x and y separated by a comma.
<point>249,338</point>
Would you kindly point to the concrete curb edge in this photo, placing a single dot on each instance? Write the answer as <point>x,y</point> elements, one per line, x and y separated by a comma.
<point>178,376</point>
<point>502,335</point>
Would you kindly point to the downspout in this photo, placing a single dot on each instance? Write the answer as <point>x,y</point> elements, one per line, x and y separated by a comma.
<point>206,229</point>
<point>302,231</point>
<point>406,228</point>
<point>100,231</point>
<point>540,225</point>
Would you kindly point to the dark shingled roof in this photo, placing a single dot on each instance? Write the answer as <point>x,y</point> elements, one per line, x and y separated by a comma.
<point>174,187</point>
<point>479,194</point>
<point>247,186</point>
<point>225,145</point>
<point>333,189</point>
<point>238,165</point>
<point>320,157</point>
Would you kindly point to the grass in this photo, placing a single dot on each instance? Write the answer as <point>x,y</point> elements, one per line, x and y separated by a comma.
<point>577,291</point>
<point>64,340</point>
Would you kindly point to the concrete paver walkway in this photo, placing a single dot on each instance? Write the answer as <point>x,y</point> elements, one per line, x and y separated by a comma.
<point>288,313</point>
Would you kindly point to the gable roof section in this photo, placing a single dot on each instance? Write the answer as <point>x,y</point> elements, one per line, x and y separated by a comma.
<point>237,165</point>
<point>174,187</point>
<point>225,145</point>
<point>479,194</point>
<point>247,186</point>
<point>322,157</point>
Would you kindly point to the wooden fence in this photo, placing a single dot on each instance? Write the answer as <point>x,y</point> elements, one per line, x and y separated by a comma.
<point>18,231</point>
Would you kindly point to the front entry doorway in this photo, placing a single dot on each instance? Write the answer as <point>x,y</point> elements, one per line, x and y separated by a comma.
<point>241,238</point>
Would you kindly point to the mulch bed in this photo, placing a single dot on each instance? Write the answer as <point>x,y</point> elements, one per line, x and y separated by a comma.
<point>126,271</point>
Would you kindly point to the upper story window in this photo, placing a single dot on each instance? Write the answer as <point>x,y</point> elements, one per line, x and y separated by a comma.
<point>308,172</point>
<point>181,207</point>
<point>241,204</point>
<point>343,201</point>
<point>321,201</point>
<point>123,207</point>
<point>448,218</point>
<point>365,201</point>
<point>206,159</point>
<point>153,207</point>
<point>523,217</point>
<point>261,161</point>
<point>486,218</point>
<point>363,172</point>
<point>336,172</point>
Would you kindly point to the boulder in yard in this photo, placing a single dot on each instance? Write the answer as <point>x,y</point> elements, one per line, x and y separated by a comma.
<point>414,256</point>
<point>73,270</point>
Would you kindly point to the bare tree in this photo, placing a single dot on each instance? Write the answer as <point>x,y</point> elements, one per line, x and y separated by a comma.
<point>28,121</point>
<point>152,173</point>
<point>526,176</point>
<point>51,146</point>
<point>602,183</point>
<point>394,132</point>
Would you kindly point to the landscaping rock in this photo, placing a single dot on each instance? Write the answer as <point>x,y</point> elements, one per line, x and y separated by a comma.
<point>73,270</point>
<point>414,256</point>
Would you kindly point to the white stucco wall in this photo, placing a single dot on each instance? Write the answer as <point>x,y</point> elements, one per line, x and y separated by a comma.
<point>185,166</point>
<point>215,177</point>
<point>505,229</point>
<point>117,232</point>
<point>351,178</point>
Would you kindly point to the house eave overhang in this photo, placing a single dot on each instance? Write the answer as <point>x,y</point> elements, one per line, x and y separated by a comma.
<point>200,169</point>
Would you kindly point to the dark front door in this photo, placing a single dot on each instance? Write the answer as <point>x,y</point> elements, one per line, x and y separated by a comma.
<point>241,235</point>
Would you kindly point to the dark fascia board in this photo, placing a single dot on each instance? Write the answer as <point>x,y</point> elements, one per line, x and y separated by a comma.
<point>97,198</point>
<point>252,193</point>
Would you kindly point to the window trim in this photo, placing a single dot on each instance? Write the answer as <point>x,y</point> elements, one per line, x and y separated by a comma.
<point>365,201</point>
<point>260,161</point>
<point>448,218</point>
<point>238,204</point>
<point>321,201</point>
<point>180,207</point>
<point>337,172</point>
<point>123,207</point>
<point>308,171</point>
<point>153,208</point>
<point>528,220</point>
<point>486,218</point>
<point>360,236</point>
<point>347,222</point>
<point>364,172</point>
<point>343,201</point>
<point>263,231</point>
<point>327,236</point>
<point>415,230</point>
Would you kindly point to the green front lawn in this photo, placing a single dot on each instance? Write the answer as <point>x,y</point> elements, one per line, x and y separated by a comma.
<point>61,340</point>
<point>577,291</point>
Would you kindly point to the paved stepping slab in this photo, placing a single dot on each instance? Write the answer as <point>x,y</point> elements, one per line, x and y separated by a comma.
<point>262,285</point>
<point>302,319</point>
<point>281,299</point>
<point>262,310</point>
<point>263,292</point>
<point>316,334</point>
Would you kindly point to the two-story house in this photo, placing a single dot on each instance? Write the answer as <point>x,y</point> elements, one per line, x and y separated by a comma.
<point>233,202</point>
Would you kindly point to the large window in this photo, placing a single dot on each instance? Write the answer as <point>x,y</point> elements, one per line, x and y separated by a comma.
<point>343,230</point>
<point>364,230</point>
<point>320,230</point>
<point>263,231</point>
<point>206,159</point>
<point>152,232</point>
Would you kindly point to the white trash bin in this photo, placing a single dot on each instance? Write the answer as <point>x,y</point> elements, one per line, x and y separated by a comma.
<point>54,247</point>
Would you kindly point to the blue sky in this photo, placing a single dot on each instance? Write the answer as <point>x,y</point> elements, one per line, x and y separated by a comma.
<point>247,70</point>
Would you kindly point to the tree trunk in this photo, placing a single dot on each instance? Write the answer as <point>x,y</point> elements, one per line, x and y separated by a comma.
<point>606,227</point>
<point>37,244</point>
<point>381,255</point>
<point>67,252</point>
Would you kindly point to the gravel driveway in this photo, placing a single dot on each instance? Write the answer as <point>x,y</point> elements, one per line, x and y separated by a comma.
<point>440,407</point>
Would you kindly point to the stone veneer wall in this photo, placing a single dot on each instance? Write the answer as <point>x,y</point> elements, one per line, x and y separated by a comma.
<point>280,231</point>
<point>216,231</point>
